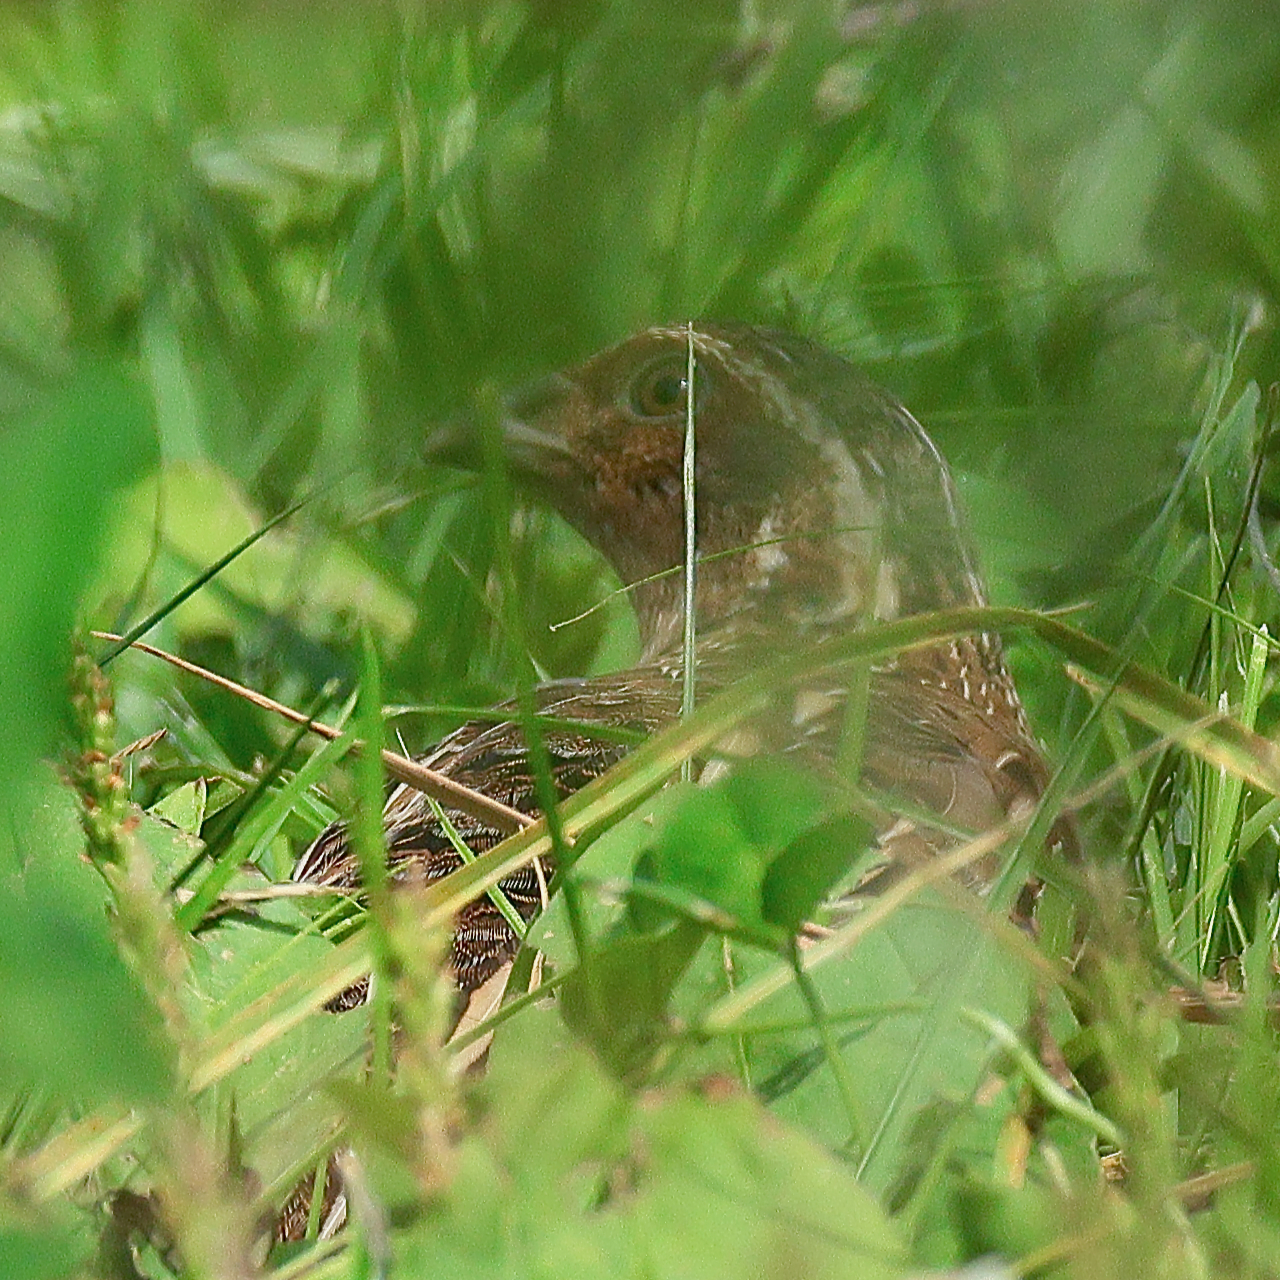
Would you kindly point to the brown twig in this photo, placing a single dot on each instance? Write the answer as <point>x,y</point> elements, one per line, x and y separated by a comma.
<point>473,803</point>
<point>1197,1193</point>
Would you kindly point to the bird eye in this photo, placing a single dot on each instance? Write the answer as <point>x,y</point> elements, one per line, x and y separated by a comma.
<point>660,392</point>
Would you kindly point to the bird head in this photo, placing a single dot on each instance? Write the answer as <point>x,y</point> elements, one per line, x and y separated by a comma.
<point>820,501</point>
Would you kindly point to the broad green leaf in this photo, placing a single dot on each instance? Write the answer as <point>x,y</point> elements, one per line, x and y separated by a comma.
<point>774,801</point>
<point>703,850</point>
<point>58,470</point>
<point>934,962</point>
<point>726,1190</point>
<point>804,872</point>
<point>74,1016</point>
<point>279,1091</point>
<point>680,1185</point>
<point>617,997</point>
<point>184,807</point>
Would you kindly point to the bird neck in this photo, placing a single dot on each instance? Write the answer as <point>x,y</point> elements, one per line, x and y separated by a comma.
<point>737,623</point>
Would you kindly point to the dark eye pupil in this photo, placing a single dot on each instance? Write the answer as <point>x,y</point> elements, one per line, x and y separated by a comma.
<point>667,391</point>
<point>660,394</point>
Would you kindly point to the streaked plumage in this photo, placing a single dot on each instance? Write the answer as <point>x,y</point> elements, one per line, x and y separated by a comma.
<point>821,504</point>
<point>834,507</point>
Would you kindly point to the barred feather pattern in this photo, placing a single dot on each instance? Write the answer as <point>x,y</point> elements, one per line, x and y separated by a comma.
<point>822,505</point>
<point>492,757</point>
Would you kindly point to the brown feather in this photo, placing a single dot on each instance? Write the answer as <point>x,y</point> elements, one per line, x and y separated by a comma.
<point>821,504</point>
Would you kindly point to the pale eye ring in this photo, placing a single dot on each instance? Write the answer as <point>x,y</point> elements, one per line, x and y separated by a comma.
<point>661,391</point>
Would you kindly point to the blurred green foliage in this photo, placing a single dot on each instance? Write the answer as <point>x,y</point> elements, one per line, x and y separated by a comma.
<point>255,253</point>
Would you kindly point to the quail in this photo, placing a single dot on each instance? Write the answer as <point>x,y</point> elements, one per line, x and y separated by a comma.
<point>821,504</point>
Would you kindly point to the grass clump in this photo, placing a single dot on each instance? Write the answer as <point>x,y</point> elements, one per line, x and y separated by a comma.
<point>248,256</point>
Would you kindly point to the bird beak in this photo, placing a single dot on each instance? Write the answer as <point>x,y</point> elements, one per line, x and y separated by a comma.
<point>531,449</point>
